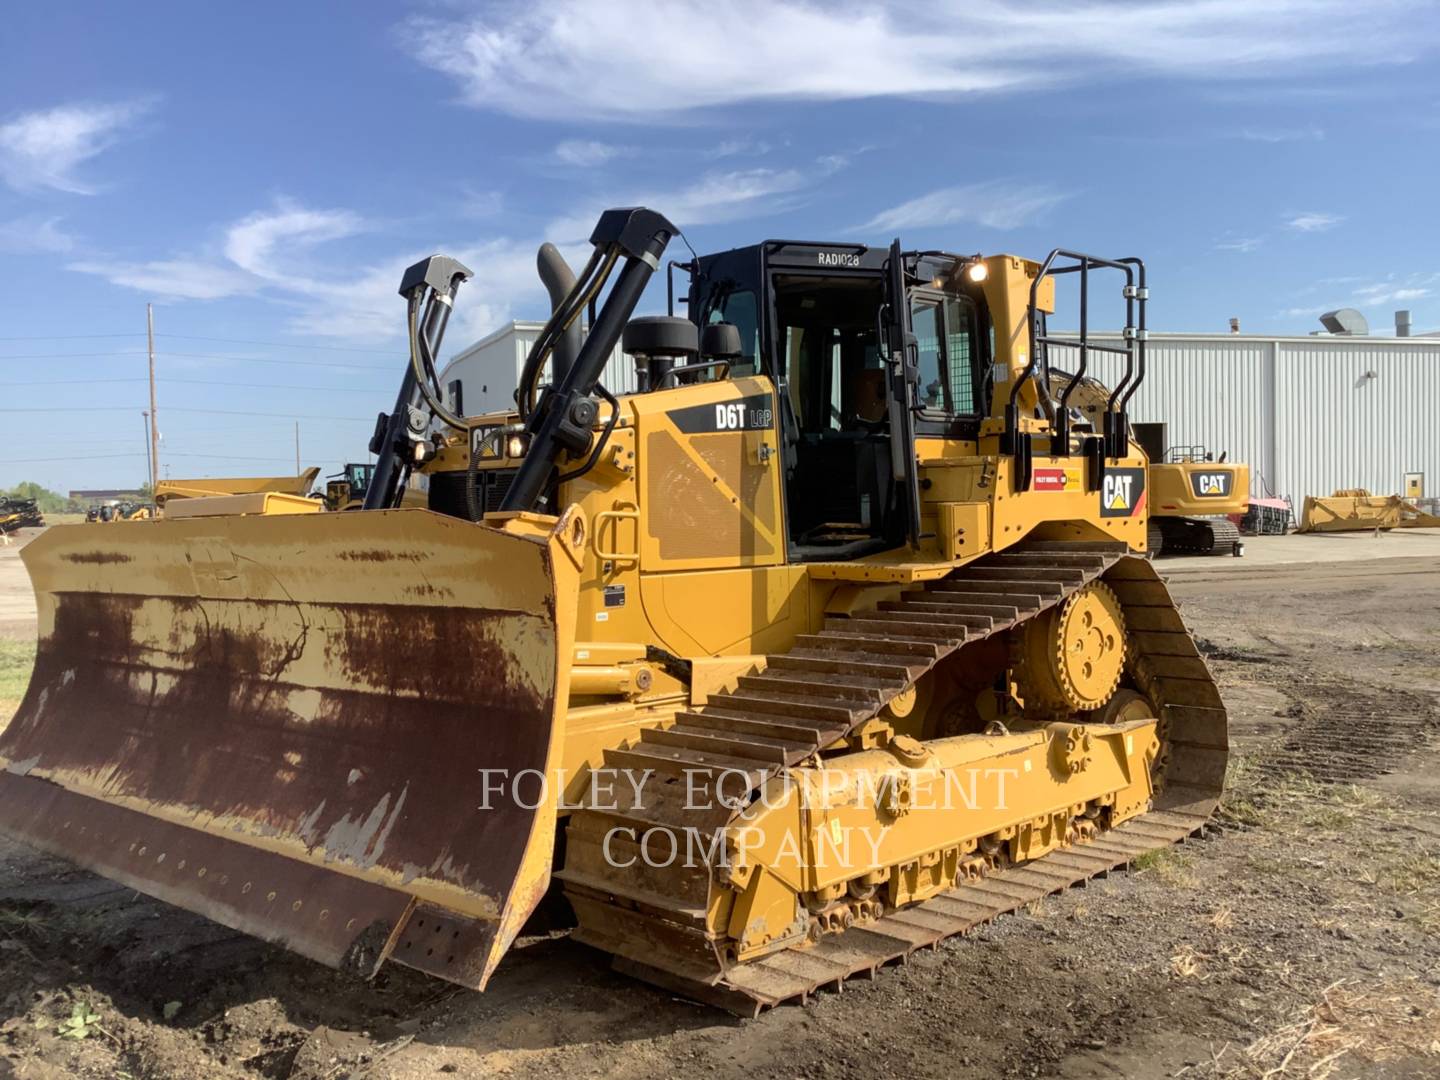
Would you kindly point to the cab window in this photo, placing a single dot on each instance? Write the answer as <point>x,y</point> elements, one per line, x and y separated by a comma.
<point>926,321</point>
<point>947,354</point>
<point>738,307</point>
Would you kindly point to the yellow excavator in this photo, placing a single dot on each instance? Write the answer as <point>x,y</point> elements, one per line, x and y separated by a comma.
<point>1192,494</point>
<point>835,639</point>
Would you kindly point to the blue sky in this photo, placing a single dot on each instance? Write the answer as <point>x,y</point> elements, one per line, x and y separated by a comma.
<point>263,172</point>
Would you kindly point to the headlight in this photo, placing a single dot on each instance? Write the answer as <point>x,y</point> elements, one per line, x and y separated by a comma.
<point>515,446</point>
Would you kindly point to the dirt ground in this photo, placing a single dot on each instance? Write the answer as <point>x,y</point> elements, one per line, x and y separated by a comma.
<point>1300,938</point>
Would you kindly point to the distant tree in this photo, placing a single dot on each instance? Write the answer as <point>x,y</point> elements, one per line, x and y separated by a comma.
<point>49,502</point>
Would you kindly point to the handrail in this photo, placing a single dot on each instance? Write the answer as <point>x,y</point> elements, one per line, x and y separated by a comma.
<point>1133,349</point>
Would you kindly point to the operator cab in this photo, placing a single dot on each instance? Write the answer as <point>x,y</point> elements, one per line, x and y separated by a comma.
<point>811,318</point>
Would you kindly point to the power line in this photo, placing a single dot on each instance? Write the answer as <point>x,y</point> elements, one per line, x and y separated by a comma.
<point>283,386</point>
<point>138,453</point>
<point>227,457</point>
<point>286,416</point>
<point>60,458</point>
<point>78,408</point>
<point>71,337</point>
<point>200,356</point>
<point>68,355</point>
<point>179,408</point>
<point>274,344</point>
<point>290,363</point>
<point>196,337</point>
<point>211,382</point>
<point>72,382</point>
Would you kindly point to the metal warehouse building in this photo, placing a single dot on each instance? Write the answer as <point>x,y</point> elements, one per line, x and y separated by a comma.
<point>489,370</point>
<point>1308,414</point>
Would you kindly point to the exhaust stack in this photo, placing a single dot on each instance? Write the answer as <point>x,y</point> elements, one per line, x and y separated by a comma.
<point>559,279</point>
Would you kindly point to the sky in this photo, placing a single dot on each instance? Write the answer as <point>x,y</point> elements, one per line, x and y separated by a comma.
<point>263,172</point>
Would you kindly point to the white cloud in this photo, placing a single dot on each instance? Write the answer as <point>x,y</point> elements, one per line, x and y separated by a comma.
<point>1313,221</point>
<point>563,59</point>
<point>995,204</point>
<point>250,244</point>
<point>172,279</point>
<point>737,148</point>
<point>480,203</point>
<point>1243,244</point>
<point>1392,291</point>
<point>709,200</point>
<point>270,254</point>
<point>1375,293</point>
<point>1312,133</point>
<point>585,153</point>
<point>44,149</point>
<point>30,234</point>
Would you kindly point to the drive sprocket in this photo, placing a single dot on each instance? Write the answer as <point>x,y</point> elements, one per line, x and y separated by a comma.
<point>1071,658</point>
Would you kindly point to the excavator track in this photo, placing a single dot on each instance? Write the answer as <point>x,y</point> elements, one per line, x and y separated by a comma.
<point>1195,535</point>
<point>806,700</point>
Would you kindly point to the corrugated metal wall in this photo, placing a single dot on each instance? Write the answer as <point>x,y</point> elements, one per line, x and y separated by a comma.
<point>1357,413</point>
<point>490,369</point>
<point>1303,412</point>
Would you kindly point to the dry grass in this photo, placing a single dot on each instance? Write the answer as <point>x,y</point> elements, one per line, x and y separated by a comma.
<point>1254,798</point>
<point>1189,963</point>
<point>1170,865</point>
<point>15,922</point>
<point>1348,1026</point>
<point>1413,874</point>
<point>1243,798</point>
<point>16,660</point>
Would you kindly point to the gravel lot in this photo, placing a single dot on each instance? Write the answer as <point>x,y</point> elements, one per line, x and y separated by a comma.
<point>1300,938</point>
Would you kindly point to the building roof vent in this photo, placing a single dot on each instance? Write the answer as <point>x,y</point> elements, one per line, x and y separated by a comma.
<point>1346,321</point>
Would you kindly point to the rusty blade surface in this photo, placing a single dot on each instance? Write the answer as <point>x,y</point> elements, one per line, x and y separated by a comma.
<point>319,696</point>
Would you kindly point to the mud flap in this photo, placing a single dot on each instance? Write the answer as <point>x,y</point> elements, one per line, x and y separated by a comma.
<point>306,728</point>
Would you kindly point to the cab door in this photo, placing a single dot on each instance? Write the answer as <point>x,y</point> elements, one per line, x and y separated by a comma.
<point>902,360</point>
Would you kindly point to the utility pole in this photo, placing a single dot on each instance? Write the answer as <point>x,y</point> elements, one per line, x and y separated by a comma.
<point>154,420</point>
<point>297,447</point>
<point>149,461</point>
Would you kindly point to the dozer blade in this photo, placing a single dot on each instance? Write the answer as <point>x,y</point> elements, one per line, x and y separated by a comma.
<point>285,724</point>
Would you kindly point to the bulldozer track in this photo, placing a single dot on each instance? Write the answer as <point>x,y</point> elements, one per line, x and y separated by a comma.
<point>811,697</point>
<point>1349,732</point>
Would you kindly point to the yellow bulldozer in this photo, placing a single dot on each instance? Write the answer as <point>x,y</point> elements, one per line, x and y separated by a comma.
<point>833,640</point>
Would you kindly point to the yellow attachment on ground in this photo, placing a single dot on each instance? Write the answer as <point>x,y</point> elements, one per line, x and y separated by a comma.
<point>176,490</point>
<point>258,503</point>
<point>1072,656</point>
<point>1356,510</point>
